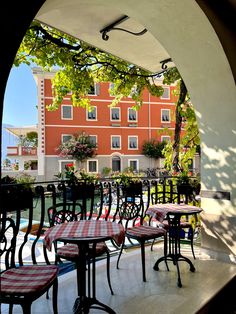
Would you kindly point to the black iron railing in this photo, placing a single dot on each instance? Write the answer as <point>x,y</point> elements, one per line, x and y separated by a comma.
<point>28,204</point>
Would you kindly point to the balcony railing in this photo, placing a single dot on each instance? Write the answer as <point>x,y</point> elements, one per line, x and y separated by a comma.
<point>27,204</point>
<point>29,151</point>
<point>21,151</point>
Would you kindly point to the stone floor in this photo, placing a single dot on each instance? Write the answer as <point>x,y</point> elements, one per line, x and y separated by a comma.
<point>159,295</point>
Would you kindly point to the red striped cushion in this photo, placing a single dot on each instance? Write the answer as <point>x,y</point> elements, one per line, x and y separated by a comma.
<point>27,279</point>
<point>71,250</point>
<point>145,232</point>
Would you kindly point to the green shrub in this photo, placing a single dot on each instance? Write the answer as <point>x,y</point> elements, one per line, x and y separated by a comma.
<point>153,149</point>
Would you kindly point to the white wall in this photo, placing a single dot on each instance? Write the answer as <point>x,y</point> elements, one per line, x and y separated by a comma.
<point>185,32</point>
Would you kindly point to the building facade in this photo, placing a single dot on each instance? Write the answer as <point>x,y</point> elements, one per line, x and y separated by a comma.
<point>119,132</point>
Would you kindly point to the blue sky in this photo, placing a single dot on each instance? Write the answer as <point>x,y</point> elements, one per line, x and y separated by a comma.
<point>20,98</point>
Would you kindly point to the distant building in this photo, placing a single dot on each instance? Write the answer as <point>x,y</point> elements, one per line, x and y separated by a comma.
<point>119,132</point>
<point>7,140</point>
<point>22,158</point>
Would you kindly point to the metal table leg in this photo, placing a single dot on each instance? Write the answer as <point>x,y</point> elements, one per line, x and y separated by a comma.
<point>174,253</point>
<point>85,301</point>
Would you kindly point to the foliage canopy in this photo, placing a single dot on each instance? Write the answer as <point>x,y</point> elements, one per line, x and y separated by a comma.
<point>78,66</point>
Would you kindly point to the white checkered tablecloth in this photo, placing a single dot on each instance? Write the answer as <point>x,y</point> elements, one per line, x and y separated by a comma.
<point>85,229</point>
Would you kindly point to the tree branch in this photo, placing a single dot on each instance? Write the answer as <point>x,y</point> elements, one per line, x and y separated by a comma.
<point>60,43</point>
<point>57,41</point>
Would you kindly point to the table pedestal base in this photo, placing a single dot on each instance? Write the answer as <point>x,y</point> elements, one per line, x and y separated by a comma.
<point>174,254</point>
<point>87,278</point>
<point>175,259</point>
<point>82,306</point>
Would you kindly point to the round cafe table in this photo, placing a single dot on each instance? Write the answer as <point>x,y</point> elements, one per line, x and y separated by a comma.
<point>84,233</point>
<point>173,212</point>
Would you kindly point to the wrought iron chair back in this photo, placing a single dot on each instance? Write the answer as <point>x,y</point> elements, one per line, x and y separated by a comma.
<point>22,284</point>
<point>8,234</point>
<point>132,217</point>
<point>65,213</point>
<point>130,213</point>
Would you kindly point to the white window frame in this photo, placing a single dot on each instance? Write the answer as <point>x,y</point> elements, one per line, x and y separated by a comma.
<point>91,135</point>
<point>129,160</point>
<point>95,90</point>
<point>132,148</point>
<point>111,114</point>
<point>63,135</point>
<point>162,121</point>
<point>68,161</point>
<point>136,113</point>
<point>163,136</point>
<point>166,88</point>
<point>115,148</point>
<point>96,115</point>
<point>133,91</point>
<point>111,87</point>
<point>92,160</point>
<point>62,118</point>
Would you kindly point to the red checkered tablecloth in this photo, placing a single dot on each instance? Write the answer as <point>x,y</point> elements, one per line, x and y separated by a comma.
<point>159,211</point>
<point>85,229</point>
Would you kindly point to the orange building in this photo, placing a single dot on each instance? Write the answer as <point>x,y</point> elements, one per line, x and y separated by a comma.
<point>119,132</point>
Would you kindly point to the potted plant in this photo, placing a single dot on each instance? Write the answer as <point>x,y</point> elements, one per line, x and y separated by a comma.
<point>184,185</point>
<point>17,193</point>
<point>188,185</point>
<point>130,182</point>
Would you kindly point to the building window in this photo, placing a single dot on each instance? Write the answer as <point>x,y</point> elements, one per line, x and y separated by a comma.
<point>92,166</point>
<point>93,139</point>
<point>94,90</point>
<point>133,164</point>
<point>115,142</point>
<point>166,94</point>
<point>165,138</point>
<point>165,115</point>
<point>65,138</point>
<point>133,142</point>
<point>64,163</point>
<point>111,89</point>
<point>132,115</point>
<point>191,165</point>
<point>92,113</point>
<point>66,112</point>
<point>115,114</point>
<point>134,91</point>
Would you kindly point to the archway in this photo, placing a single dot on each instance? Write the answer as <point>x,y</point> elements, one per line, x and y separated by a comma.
<point>185,32</point>
<point>116,163</point>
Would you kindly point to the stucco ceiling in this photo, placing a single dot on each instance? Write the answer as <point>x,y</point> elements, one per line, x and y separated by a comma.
<point>23,130</point>
<point>84,19</point>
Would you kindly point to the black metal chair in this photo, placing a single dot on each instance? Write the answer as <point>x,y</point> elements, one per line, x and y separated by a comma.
<point>131,216</point>
<point>184,224</point>
<point>66,212</point>
<point>23,284</point>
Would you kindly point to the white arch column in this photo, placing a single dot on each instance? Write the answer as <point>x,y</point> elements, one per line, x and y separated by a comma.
<point>185,32</point>
<point>187,36</point>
